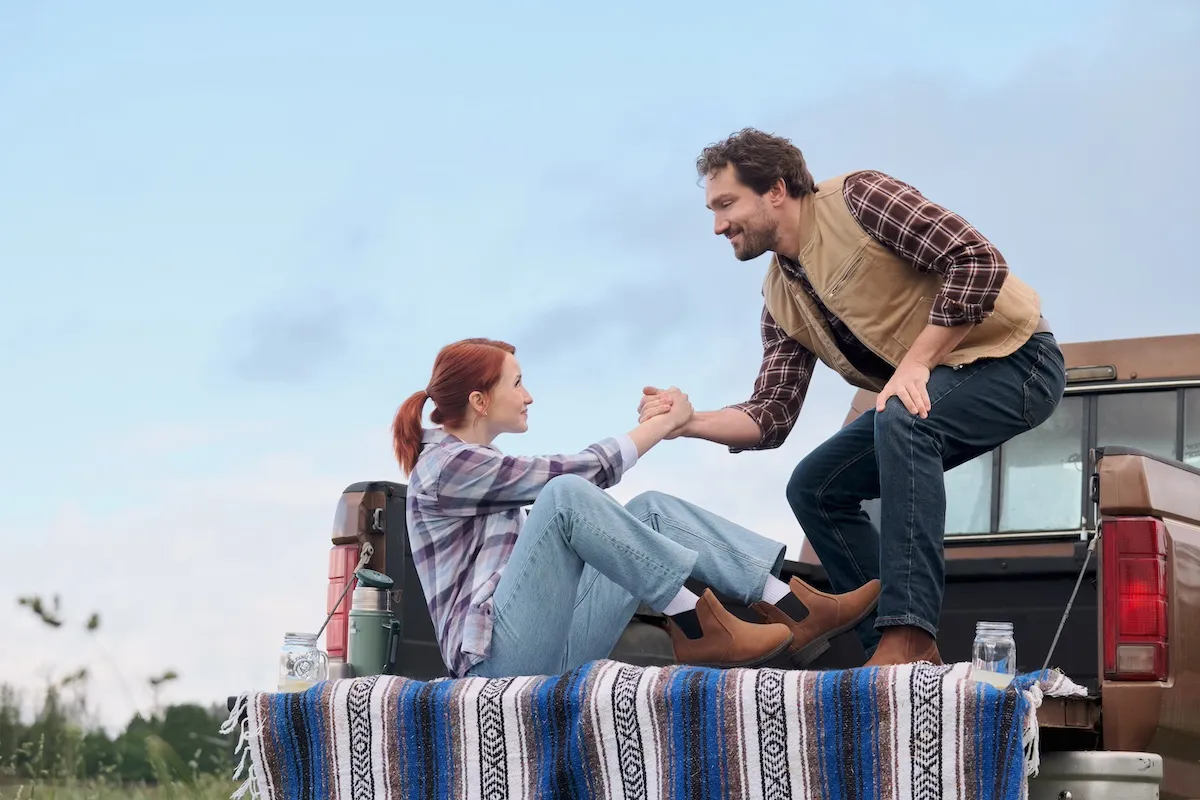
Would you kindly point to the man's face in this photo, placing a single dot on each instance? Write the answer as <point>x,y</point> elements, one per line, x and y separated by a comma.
<point>742,216</point>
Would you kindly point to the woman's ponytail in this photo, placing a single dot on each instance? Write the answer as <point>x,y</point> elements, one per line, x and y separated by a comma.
<point>406,430</point>
<point>470,365</point>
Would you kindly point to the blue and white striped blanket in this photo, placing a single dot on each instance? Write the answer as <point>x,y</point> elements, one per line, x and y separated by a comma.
<point>610,730</point>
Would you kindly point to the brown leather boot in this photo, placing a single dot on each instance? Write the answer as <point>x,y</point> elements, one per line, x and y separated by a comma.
<point>727,641</point>
<point>905,644</point>
<point>828,616</point>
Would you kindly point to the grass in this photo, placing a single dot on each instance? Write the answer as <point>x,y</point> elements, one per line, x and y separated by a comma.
<point>203,788</point>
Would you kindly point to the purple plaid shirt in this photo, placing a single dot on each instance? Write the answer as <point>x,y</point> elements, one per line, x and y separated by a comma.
<point>465,510</point>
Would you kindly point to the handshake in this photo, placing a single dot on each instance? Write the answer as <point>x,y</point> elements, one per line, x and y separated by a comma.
<point>671,404</point>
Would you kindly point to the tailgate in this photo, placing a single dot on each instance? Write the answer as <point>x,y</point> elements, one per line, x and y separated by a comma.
<point>1027,584</point>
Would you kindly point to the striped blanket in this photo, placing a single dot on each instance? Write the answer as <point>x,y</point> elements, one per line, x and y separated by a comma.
<point>610,730</point>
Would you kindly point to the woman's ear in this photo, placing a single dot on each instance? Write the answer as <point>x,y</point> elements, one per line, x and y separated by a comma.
<point>478,402</point>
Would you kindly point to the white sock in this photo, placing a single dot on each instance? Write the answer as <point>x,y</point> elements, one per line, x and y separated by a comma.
<point>775,590</point>
<point>684,601</point>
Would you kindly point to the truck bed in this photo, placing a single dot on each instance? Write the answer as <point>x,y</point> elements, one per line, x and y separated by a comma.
<point>988,589</point>
<point>983,588</point>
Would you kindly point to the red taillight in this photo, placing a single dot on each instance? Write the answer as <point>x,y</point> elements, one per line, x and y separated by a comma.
<point>1134,553</point>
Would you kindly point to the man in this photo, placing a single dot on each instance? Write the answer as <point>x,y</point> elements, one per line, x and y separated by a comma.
<point>900,296</point>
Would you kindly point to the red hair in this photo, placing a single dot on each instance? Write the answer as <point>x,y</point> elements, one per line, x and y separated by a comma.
<point>470,365</point>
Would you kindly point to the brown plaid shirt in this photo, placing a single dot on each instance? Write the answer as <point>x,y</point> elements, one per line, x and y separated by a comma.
<point>932,238</point>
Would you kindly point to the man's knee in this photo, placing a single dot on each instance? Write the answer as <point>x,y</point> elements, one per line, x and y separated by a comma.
<point>894,418</point>
<point>804,488</point>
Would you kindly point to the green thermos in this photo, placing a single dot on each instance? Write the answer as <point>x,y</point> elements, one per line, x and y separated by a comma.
<point>373,638</point>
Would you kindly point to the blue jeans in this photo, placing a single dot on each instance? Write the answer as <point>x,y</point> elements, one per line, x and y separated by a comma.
<point>583,562</point>
<point>901,459</point>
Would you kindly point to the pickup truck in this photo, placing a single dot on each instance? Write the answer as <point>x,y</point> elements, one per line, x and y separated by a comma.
<point>1084,533</point>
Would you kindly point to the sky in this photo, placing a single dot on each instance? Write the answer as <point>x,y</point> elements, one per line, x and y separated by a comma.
<point>232,240</point>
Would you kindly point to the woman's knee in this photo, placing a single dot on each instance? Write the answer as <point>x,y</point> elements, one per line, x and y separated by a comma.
<point>645,503</point>
<point>568,484</point>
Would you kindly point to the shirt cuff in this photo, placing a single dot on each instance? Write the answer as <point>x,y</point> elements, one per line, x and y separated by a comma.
<point>950,313</point>
<point>629,453</point>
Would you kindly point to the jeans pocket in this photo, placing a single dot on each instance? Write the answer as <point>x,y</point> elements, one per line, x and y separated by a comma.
<point>1043,389</point>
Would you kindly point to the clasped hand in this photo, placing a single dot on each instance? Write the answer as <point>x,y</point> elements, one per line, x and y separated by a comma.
<point>671,402</point>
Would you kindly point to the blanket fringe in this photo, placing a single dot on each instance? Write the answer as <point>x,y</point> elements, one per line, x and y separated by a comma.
<point>239,718</point>
<point>1052,683</point>
<point>1033,758</point>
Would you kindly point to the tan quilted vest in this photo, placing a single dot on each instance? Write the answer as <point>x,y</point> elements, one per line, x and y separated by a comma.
<point>881,297</point>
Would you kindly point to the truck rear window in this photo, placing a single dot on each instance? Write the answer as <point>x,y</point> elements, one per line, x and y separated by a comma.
<point>1191,427</point>
<point>1036,482</point>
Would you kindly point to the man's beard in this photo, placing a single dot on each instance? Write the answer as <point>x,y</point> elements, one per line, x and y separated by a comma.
<point>755,241</point>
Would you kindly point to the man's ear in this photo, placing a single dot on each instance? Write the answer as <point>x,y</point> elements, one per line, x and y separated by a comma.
<point>777,193</point>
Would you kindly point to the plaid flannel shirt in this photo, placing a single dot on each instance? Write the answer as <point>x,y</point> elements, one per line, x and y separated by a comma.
<point>932,239</point>
<point>465,510</point>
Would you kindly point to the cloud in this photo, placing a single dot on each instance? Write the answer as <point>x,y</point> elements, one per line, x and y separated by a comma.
<point>296,333</point>
<point>631,317</point>
<point>293,340</point>
<point>167,438</point>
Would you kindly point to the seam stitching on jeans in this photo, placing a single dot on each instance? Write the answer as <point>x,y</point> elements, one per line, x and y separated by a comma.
<point>497,609</point>
<point>716,545</point>
<point>1033,376</point>
<point>971,374</point>
<point>821,508</point>
<point>616,543</point>
<point>912,511</point>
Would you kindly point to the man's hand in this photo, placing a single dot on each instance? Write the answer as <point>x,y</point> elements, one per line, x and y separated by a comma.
<point>909,383</point>
<point>680,413</point>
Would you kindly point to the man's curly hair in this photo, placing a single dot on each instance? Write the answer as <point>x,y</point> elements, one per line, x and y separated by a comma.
<point>759,159</point>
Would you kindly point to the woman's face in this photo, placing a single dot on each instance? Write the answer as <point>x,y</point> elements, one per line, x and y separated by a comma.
<point>508,402</point>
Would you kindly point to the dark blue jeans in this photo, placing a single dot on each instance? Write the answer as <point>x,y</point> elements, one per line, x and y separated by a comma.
<point>902,459</point>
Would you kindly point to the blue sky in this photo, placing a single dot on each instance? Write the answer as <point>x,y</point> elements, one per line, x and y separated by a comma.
<point>232,241</point>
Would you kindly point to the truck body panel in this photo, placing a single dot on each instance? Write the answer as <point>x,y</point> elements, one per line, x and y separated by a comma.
<point>1160,716</point>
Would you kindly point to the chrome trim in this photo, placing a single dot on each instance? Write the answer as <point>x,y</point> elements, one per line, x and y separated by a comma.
<point>1131,386</point>
<point>995,538</point>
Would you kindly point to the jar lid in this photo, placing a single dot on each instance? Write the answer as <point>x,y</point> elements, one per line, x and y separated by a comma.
<point>373,579</point>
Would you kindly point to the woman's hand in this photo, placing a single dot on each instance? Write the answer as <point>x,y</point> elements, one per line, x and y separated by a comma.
<point>654,402</point>
<point>662,414</point>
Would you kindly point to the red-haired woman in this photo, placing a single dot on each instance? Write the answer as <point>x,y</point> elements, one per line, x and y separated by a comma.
<point>540,593</point>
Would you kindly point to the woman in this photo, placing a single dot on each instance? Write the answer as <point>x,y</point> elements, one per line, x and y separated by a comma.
<point>542,593</point>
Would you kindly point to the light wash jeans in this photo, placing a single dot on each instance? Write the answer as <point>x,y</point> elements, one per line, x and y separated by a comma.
<point>583,562</point>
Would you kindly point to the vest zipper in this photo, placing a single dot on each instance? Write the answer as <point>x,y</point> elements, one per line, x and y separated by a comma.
<point>843,279</point>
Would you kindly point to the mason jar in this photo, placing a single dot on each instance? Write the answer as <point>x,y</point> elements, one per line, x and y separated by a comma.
<point>995,649</point>
<point>301,663</point>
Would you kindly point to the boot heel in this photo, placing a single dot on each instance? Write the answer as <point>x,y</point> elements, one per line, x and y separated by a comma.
<point>809,653</point>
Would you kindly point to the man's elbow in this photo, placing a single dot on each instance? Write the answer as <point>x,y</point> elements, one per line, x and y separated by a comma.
<point>769,438</point>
